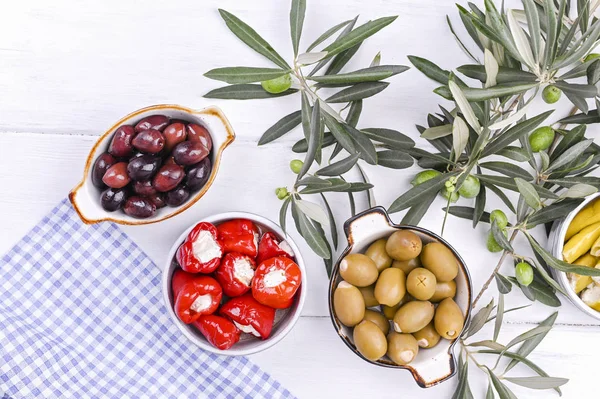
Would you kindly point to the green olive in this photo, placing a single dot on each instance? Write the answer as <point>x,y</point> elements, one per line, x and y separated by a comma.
<point>443,290</point>
<point>470,187</point>
<point>407,265</point>
<point>369,340</point>
<point>421,284</point>
<point>296,165</point>
<point>376,252</point>
<point>277,85</point>
<point>449,319</point>
<point>427,337</point>
<point>390,287</point>
<point>368,294</point>
<point>390,311</point>
<point>491,243</point>
<point>413,316</point>
<point>440,261</point>
<point>348,304</point>
<point>282,193</point>
<point>403,245</point>
<point>402,348</point>
<point>423,176</point>
<point>379,320</point>
<point>500,217</point>
<point>551,94</point>
<point>524,273</point>
<point>541,139</point>
<point>449,194</point>
<point>358,270</point>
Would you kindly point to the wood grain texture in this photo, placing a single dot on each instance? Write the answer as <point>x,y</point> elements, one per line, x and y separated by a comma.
<point>69,69</point>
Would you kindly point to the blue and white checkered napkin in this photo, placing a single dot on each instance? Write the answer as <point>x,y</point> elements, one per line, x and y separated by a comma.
<point>82,316</point>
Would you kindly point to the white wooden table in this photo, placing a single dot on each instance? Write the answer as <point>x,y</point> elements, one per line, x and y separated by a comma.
<point>69,69</point>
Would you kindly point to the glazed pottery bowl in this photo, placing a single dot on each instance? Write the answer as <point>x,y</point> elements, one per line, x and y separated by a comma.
<point>284,318</point>
<point>556,244</point>
<point>86,197</point>
<point>431,366</point>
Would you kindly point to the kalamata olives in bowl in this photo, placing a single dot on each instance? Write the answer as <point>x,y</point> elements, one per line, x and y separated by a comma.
<point>152,164</point>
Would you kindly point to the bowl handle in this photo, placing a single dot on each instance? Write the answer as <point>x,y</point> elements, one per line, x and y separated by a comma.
<point>440,368</point>
<point>88,208</point>
<point>362,225</point>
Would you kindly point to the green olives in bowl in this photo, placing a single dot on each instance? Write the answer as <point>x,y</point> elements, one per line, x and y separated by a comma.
<point>400,296</point>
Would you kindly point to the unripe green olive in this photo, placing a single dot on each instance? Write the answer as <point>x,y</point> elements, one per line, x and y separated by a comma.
<point>500,217</point>
<point>541,139</point>
<point>277,85</point>
<point>296,165</point>
<point>423,176</point>
<point>551,94</point>
<point>524,273</point>
<point>281,192</point>
<point>470,187</point>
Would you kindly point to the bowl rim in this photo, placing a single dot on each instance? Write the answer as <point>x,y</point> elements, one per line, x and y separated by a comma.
<point>211,110</point>
<point>469,290</point>
<point>557,236</point>
<point>260,345</point>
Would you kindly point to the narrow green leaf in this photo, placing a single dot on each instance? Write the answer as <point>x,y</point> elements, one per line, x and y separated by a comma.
<point>500,237</point>
<point>487,343</point>
<point>310,58</point>
<point>315,240</point>
<point>354,113</point>
<point>579,191</point>
<point>340,134</point>
<point>559,264</point>
<point>338,168</point>
<point>507,169</point>
<point>533,23</point>
<point>283,213</point>
<point>358,187</point>
<point>514,133</point>
<point>551,24</point>
<point>500,194</point>
<point>376,60</point>
<point>460,136</point>
<point>236,75</point>
<point>504,284</point>
<point>474,95</point>
<point>514,153</point>
<point>593,72</point>
<point>313,141</point>
<point>479,320</point>
<point>344,32</point>
<point>337,185</point>
<point>579,90</point>
<point>370,195</point>
<point>479,209</point>
<point>589,118</point>
<point>528,192</point>
<point>502,389</point>
<point>297,14</point>
<point>490,392</point>
<point>371,74</point>
<point>552,212</point>
<point>358,35</point>
<point>460,43</point>
<point>313,211</point>
<point>327,34</point>
<point>339,61</point>
<point>416,212</point>
<point>529,345</point>
<point>464,106</point>
<point>570,138</point>
<point>313,181</point>
<point>358,91</point>
<point>521,40</point>
<point>466,212</point>
<point>538,382</point>
<point>463,391</point>
<point>436,132</point>
<point>249,36</point>
<point>429,69</point>
<point>499,313</point>
<point>302,145</point>
<point>281,127</point>
<point>570,155</point>
<point>413,196</point>
<point>245,92</point>
<point>363,144</point>
<point>508,183</point>
<point>505,74</point>
<point>394,159</point>
<point>332,224</point>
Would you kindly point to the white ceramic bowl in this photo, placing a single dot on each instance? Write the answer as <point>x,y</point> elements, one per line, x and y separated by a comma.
<point>431,366</point>
<point>556,244</point>
<point>284,318</point>
<point>86,198</point>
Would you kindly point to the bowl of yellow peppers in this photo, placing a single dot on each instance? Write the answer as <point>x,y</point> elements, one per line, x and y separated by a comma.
<point>576,240</point>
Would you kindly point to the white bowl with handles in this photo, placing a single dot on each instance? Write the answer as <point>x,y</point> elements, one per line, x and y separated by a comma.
<point>431,366</point>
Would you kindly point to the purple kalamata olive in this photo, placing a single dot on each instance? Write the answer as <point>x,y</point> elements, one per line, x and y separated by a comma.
<point>158,199</point>
<point>116,176</point>
<point>198,174</point>
<point>170,161</point>
<point>157,122</point>
<point>189,152</point>
<point>174,134</point>
<point>199,133</point>
<point>150,141</point>
<point>139,207</point>
<point>101,165</point>
<point>144,167</point>
<point>120,145</point>
<point>144,188</point>
<point>168,177</point>
<point>177,196</point>
<point>113,199</point>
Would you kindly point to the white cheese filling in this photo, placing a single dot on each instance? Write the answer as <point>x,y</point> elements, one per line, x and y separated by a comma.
<point>591,295</point>
<point>247,329</point>
<point>242,270</point>
<point>285,247</point>
<point>274,278</point>
<point>201,303</point>
<point>205,247</point>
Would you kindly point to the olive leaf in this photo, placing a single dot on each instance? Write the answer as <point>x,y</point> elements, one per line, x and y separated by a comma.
<point>245,92</point>
<point>394,159</point>
<point>430,69</point>
<point>552,212</point>
<point>464,106</point>
<point>559,264</point>
<point>340,134</point>
<point>327,34</point>
<point>235,75</point>
<point>371,74</point>
<point>508,169</point>
<point>313,211</point>
<point>340,167</point>
<point>332,225</point>
<point>358,35</point>
<point>514,153</point>
<point>504,75</point>
<point>528,192</point>
<point>281,127</point>
<point>502,389</point>
<point>313,140</point>
<point>466,212</point>
<point>460,136</point>
<point>310,58</point>
<point>412,196</point>
<point>479,320</point>
<point>315,240</point>
<point>504,284</point>
<point>501,90</point>
<point>249,36</point>
<point>283,213</point>
<point>363,144</point>
<point>313,181</point>
<point>499,312</point>
<point>579,190</point>
<point>358,91</point>
<point>297,14</point>
<point>538,382</point>
<point>437,132</point>
<point>530,344</point>
<point>463,391</point>
<point>514,133</point>
<point>416,212</point>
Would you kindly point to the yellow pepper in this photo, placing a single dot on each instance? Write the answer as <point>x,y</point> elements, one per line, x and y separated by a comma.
<point>587,216</point>
<point>581,242</point>
<point>578,282</point>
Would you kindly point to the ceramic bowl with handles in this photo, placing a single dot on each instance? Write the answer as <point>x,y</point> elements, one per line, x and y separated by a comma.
<point>86,197</point>
<point>431,366</point>
<point>285,319</point>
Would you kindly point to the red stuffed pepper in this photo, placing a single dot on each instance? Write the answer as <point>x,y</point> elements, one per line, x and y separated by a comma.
<point>239,235</point>
<point>250,316</point>
<point>201,251</point>
<point>235,274</point>
<point>270,247</point>
<point>219,331</point>
<point>195,295</point>
<point>275,282</point>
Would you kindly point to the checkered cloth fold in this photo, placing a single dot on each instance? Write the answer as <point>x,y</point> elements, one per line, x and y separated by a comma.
<point>82,316</point>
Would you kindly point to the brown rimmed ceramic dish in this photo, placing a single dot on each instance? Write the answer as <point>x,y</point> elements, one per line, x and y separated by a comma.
<point>86,198</point>
<point>431,366</point>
